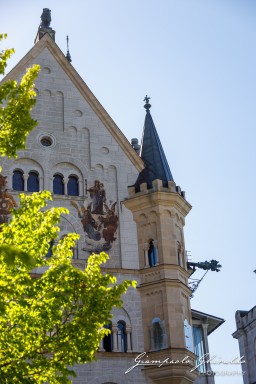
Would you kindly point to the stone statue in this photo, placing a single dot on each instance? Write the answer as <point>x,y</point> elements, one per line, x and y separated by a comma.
<point>46,18</point>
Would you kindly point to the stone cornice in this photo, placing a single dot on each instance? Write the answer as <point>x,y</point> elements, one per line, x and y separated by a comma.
<point>163,283</point>
<point>164,198</point>
<point>166,267</point>
<point>47,42</point>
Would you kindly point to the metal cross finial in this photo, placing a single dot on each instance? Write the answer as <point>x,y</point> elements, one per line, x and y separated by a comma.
<point>147,106</point>
<point>146,99</point>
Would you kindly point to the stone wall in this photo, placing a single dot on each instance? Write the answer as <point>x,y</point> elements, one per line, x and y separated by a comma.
<point>246,336</point>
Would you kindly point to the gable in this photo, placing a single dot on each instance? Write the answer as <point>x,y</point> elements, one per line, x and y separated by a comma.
<point>47,50</point>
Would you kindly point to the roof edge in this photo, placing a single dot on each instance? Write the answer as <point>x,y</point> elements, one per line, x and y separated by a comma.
<point>218,320</point>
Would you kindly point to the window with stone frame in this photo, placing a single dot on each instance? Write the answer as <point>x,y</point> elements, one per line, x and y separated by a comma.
<point>157,332</point>
<point>73,186</point>
<point>152,253</point>
<point>18,180</point>
<point>58,184</point>
<point>121,336</point>
<point>33,182</point>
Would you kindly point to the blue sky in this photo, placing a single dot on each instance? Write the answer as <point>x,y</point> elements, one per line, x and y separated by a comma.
<point>196,60</point>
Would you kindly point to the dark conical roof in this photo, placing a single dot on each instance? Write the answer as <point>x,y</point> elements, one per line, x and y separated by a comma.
<point>152,153</point>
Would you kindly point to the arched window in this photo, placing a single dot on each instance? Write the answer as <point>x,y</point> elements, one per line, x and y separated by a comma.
<point>58,185</point>
<point>49,253</point>
<point>121,336</point>
<point>107,340</point>
<point>33,182</point>
<point>73,187</point>
<point>157,334</point>
<point>18,181</point>
<point>152,254</point>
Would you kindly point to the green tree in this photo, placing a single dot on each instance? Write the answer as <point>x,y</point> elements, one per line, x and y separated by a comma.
<point>52,314</point>
<point>16,101</point>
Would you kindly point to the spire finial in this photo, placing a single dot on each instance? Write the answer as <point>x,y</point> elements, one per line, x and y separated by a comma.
<point>147,106</point>
<point>68,56</point>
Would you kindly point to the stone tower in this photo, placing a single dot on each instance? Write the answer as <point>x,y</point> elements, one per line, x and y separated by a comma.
<point>159,209</point>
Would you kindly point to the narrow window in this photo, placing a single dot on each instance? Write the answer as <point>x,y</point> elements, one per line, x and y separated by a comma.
<point>157,334</point>
<point>33,182</point>
<point>73,188</point>
<point>122,341</point>
<point>58,185</point>
<point>199,348</point>
<point>107,340</point>
<point>18,181</point>
<point>152,254</point>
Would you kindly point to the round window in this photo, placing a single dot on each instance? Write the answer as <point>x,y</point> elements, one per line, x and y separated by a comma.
<point>46,141</point>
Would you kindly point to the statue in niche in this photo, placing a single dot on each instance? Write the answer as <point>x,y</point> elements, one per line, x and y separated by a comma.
<point>99,219</point>
<point>7,202</point>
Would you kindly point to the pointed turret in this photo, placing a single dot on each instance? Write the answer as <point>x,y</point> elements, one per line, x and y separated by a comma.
<point>159,209</point>
<point>152,153</point>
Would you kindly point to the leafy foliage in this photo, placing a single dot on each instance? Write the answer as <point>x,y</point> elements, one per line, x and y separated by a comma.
<point>16,102</point>
<point>52,314</point>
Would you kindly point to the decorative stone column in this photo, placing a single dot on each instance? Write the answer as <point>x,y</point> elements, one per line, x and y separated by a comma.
<point>25,178</point>
<point>128,338</point>
<point>48,183</point>
<point>145,249</point>
<point>101,348</point>
<point>41,183</point>
<point>80,187</point>
<point>114,332</point>
<point>65,181</point>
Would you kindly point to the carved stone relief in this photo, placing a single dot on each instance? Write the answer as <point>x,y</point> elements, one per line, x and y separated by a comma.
<point>99,219</point>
